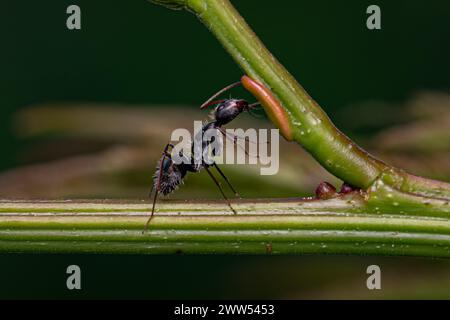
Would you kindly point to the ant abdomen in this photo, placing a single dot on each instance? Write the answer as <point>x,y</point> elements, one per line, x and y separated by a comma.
<point>170,178</point>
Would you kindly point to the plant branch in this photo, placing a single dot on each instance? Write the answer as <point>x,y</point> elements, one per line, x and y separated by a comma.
<point>311,126</point>
<point>336,226</point>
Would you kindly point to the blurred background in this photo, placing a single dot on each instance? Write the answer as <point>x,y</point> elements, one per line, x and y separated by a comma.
<point>85,114</point>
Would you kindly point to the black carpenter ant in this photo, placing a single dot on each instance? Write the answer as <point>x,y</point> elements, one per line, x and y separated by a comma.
<point>169,175</point>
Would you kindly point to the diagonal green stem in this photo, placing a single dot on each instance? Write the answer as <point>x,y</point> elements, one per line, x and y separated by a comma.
<point>311,127</point>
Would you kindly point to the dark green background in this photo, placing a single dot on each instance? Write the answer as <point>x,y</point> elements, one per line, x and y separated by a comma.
<point>221,277</point>
<point>136,52</point>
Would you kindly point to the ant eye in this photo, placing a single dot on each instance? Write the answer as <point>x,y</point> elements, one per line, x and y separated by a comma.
<point>220,107</point>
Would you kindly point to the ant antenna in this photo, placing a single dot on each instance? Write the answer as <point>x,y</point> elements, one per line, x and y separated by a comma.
<point>210,100</point>
<point>220,188</point>
<point>206,105</point>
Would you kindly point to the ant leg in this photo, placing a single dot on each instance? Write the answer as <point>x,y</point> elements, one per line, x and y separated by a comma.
<point>220,188</point>
<point>153,209</point>
<point>251,108</point>
<point>151,190</point>
<point>166,149</point>
<point>165,155</point>
<point>236,137</point>
<point>226,179</point>
<point>234,140</point>
<point>208,102</point>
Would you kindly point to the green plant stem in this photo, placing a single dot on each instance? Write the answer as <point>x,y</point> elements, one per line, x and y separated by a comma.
<point>311,127</point>
<point>336,226</point>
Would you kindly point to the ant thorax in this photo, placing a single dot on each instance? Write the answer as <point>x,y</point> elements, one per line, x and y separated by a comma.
<point>193,155</point>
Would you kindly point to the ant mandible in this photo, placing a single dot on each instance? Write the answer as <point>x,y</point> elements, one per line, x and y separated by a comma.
<point>169,175</point>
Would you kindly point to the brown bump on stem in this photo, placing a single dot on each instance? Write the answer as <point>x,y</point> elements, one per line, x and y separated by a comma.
<point>347,188</point>
<point>325,191</point>
<point>271,105</point>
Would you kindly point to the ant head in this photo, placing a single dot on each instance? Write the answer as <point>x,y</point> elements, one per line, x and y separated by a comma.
<point>229,109</point>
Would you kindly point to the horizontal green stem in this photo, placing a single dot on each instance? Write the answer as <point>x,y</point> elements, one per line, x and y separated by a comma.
<point>336,226</point>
